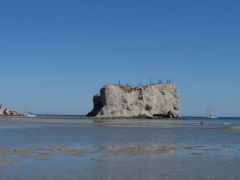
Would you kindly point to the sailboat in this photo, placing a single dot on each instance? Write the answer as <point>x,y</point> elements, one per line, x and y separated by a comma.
<point>212,116</point>
<point>31,115</point>
<point>209,114</point>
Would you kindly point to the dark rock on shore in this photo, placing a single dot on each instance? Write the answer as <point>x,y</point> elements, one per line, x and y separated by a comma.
<point>8,112</point>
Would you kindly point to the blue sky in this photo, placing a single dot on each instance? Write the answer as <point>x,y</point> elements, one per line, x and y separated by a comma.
<point>57,54</point>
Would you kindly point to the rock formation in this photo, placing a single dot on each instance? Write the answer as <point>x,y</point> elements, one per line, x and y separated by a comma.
<point>8,112</point>
<point>150,101</point>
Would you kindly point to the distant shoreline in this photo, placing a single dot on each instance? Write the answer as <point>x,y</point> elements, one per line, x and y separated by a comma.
<point>76,117</point>
<point>69,120</point>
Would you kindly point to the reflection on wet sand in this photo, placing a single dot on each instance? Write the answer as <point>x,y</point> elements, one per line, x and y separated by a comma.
<point>151,150</point>
<point>68,151</point>
<point>139,150</point>
<point>39,154</point>
<point>157,150</point>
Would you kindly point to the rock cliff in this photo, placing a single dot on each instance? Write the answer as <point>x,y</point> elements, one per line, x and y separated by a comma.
<point>8,112</point>
<point>150,101</point>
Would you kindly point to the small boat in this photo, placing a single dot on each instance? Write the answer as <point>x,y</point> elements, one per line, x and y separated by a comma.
<point>209,113</point>
<point>28,114</point>
<point>212,116</point>
<point>31,115</point>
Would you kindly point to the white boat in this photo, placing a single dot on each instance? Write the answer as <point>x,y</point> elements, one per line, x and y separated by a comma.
<point>209,113</point>
<point>212,116</point>
<point>28,114</point>
<point>31,115</point>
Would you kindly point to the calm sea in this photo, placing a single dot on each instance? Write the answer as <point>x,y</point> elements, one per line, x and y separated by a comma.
<point>140,149</point>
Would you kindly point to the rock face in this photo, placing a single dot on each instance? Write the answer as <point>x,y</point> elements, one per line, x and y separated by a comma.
<point>150,101</point>
<point>8,112</point>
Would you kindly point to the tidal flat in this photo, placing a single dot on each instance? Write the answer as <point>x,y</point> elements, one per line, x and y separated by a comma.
<point>119,149</point>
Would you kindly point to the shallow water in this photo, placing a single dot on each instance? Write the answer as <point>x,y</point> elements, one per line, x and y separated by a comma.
<point>120,149</point>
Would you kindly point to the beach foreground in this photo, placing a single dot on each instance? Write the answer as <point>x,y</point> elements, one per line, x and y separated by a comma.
<point>119,149</point>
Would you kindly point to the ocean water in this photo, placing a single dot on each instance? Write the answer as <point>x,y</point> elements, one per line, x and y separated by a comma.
<point>120,149</point>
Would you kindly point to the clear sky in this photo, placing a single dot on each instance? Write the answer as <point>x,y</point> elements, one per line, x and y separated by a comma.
<point>56,54</point>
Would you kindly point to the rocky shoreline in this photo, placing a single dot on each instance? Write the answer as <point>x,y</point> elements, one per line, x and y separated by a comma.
<point>153,101</point>
<point>8,112</point>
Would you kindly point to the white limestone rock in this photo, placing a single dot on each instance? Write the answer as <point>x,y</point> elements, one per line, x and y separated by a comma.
<point>8,112</point>
<point>155,100</point>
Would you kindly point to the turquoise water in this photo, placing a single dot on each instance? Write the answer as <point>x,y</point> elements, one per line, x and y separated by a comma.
<point>60,151</point>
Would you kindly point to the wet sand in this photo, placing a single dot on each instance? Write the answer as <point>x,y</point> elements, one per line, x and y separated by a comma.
<point>6,162</point>
<point>41,154</point>
<point>51,152</point>
<point>118,149</point>
<point>150,123</point>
